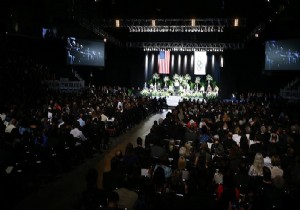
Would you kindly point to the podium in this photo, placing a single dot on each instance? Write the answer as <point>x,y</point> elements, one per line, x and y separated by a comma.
<point>173,100</point>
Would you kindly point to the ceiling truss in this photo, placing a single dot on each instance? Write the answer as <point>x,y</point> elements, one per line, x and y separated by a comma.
<point>181,46</point>
<point>155,46</point>
<point>209,22</point>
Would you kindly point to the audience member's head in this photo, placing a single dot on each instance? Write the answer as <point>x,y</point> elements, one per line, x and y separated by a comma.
<point>188,147</point>
<point>258,159</point>
<point>266,174</point>
<point>181,163</point>
<point>182,151</point>
<point>129,150</point>
<point>116,159</point>
<point>160,121</point>
<point>113,199</point>
<point>274,138</point>
<point>275,160</point>
<point>216,139</point>
<point>139,141</point>
<point>171,144</point>
<point>229,135</point>
<point>159,178</point>
<point>163,160</point>
<point>258,163</point>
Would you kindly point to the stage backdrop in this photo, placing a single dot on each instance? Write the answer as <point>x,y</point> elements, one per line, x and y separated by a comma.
<point>181,63</point>
<point>200,63</point>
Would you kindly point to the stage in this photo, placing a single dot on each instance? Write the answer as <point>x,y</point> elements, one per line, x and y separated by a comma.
<point>180,88</point>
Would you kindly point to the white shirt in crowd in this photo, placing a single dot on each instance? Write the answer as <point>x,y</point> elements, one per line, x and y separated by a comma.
<point>9,128</point>
<point>104,118</point>
<point>76,133</point>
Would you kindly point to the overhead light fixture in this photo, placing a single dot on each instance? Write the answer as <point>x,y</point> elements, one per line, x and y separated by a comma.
<point>117,23</point>
<point>236,22</point>
<point>186,29</point>
<point>153,23</point>
<point>193,23</point>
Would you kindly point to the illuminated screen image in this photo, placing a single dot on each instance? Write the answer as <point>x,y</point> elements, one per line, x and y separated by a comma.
<point>282,55</point>
<point>49,33</point>
<point>83,52</point>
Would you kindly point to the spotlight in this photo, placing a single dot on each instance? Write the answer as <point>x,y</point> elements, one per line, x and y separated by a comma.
<point>153,23</point>
<point>236,22</point>
<point>117,23</point>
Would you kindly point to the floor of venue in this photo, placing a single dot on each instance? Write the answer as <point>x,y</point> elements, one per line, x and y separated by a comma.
<point>61,192</point>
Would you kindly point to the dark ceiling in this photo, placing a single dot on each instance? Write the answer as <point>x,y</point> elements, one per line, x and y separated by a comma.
<point>269,18</point>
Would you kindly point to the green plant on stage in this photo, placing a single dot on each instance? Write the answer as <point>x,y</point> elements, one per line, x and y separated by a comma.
<point>198,95</point>
<point>171,90</point>
<point>150,82</point>
<point>145,92</point>
<point>180,91</point>
<point>158,84</point>
<point>216,90</point>
<point>155,77</point>
<point>184,83</point>
<point>187,77</point>
<point>155,93</point>
<point>192,85</point>
<point>210,95</point>
<point>166,79</point>
<point>202,85</point>
<point>213,83</point>
<point>165,93</point>
<point>208,78</point>
<point>181,86</point>
<point>176,77</point>
<point>197,82</point>
<point>180,79</point>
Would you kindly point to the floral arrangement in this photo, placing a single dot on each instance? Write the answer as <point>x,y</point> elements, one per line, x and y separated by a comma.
<point>166,79</point>
<point>145,92</point>
<point>197,80</point>
<point>155,76</point>
<point>180,79</point>
<point>208,78</point>
<point>176,77</point>
<point>187,77</point>
<point>186,89</point>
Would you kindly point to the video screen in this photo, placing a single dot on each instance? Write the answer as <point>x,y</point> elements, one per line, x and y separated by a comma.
<point>83,52</point>
<point>282,55</point>
<point>49,33</point>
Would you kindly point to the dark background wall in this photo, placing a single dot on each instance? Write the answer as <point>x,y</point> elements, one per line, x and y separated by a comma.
<point>242,70</point>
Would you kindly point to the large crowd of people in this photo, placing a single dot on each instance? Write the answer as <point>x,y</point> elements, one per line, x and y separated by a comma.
<point>45,133</point>
<point>237,154</point>
<point>214,155</point>
<point>223,153</point>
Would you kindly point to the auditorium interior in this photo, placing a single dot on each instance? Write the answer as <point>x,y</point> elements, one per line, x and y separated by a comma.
<point>143,105</point>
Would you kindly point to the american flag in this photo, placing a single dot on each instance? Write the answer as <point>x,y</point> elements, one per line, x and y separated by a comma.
<point>164,62</point>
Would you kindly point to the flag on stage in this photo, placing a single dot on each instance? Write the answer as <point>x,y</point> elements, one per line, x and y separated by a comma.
<point>200,63</point>
<point>164,62</point>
